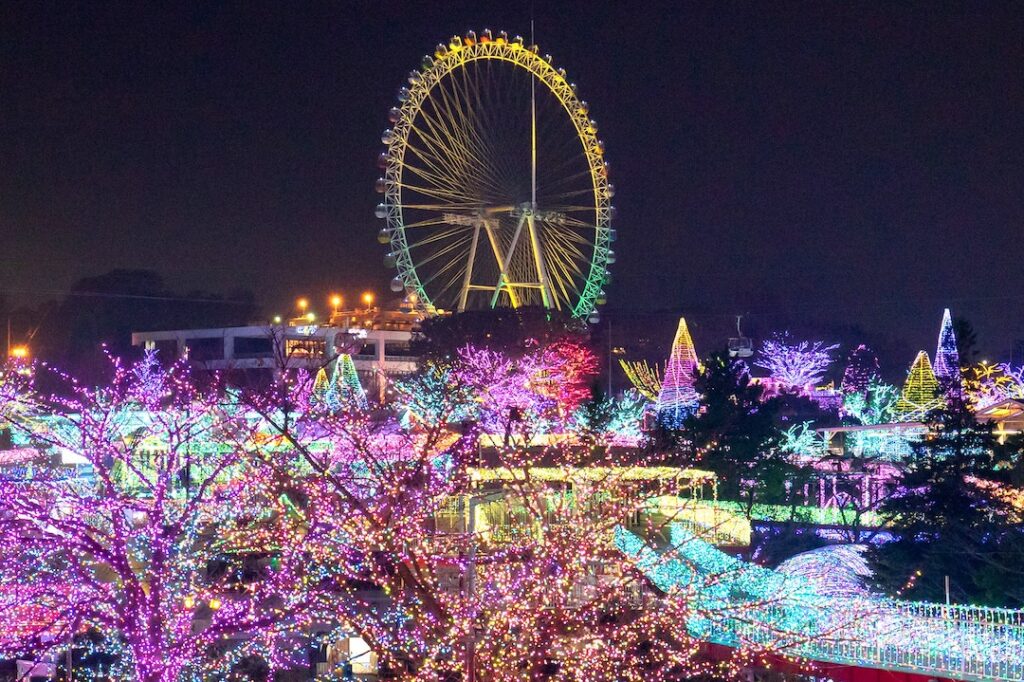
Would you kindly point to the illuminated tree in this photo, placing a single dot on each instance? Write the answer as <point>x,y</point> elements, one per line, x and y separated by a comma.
<point>147,536</point>
<point>213,530</point>
<point>677,395</point>
<point>946,523</point>
<point>920,393</point>
<point>861,369</point>
<point>947,359</point>
<point>434,395</point>
<point>734,433</point>
<point>644,378</point>
<point>338,386</point>
<point>508,570</point>
<point>537,389</point>
<point>795,366</point>
<point>988,384</point>
<point>876,404</point>
<point>563,370</point>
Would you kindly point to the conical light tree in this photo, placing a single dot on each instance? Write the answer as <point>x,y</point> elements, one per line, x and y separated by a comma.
<point>947,359</point>
<point>338,385</point>
<point>677,394</point>
<point>920,391</point>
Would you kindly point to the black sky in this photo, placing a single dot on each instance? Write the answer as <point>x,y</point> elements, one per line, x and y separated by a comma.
<point>823,160</point>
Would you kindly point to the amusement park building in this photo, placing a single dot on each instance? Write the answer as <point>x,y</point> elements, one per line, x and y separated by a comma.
<point>379,342</point>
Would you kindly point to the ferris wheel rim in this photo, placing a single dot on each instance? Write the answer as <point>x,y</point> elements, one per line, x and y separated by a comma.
<point>445,62</point>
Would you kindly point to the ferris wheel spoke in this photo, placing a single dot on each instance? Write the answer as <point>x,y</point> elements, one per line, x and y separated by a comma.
<point>570,247</point>
<point>475,108</point>
<point>449,150</point>
<point>440,177</point>
<point>450,235</point>
<point>441,171</point>
<point>452,126</point>
<point>566,275</point>
<point>573,229</point>
<point>573,181</point>
<point>428,258</point>
<point>427,222</point>
<point>451,265</point>
<point>449,174</point>
<point>437,207</point>
<point>566,266</point>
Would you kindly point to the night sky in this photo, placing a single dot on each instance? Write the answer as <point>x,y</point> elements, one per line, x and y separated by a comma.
<point>816,161</point>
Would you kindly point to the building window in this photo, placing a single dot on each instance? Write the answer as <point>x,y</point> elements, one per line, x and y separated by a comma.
<point>305,348</point>
<point>201,350</point>
<point>253,347</point>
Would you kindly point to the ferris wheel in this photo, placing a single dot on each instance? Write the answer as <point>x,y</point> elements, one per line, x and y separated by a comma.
<point>495,186</point>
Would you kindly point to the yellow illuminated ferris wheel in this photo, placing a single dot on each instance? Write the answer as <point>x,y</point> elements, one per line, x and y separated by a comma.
<point>495,186</point>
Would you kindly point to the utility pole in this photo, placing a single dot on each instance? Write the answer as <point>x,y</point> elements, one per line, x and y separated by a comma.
<point>609,358</point>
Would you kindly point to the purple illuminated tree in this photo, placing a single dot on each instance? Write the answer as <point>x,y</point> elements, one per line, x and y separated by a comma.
<point>947,358</point>
<point>861,369</point>
<point>795,366</point>
<point>155,532</point>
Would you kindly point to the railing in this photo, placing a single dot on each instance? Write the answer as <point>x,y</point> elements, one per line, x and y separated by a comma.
<point>748,605</point>
<point>894,635</point>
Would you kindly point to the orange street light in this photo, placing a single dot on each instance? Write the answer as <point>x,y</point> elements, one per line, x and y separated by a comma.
<point>336,302</point>
<point>302,304</point>
<point>368,299</point>
<point>19,352</point>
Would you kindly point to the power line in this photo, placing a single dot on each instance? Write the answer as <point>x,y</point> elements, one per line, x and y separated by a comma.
<point>146,297</point>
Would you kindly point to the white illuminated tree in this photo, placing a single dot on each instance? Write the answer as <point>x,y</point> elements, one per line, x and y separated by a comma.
<point>795,366</point>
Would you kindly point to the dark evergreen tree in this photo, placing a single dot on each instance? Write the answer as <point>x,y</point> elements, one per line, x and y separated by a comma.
<point>966,341</point>
<point>949,519</point>
<point>733,433</point>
